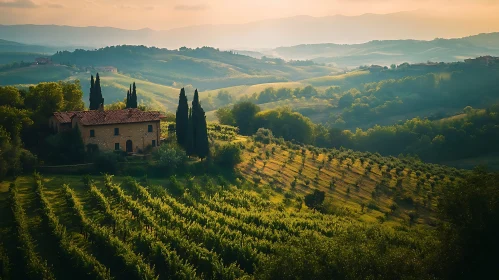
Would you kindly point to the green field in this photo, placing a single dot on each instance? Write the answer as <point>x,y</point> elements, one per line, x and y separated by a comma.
<point>35,74</point>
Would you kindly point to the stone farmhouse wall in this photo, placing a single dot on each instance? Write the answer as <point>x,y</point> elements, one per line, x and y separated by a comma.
<point>136,132</point>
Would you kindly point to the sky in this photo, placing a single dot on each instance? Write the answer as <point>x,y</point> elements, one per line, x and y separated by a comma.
<point>169,14</point>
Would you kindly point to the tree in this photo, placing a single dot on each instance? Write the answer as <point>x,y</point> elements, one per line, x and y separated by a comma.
<point>13,120</point>
<point>315,199</point>
<point>43,100</point>
<point>224,116</point>
<point>287,124</point>
<point>128,97</point>
<point>189,140</point>
<point>199,128</point>
<point>66,147</point>
<point>202,147</point>
<point>9,154</point>
<point>195,121</point>
<point>10,96</point>
<point>244,116</point>
<point>182,120</point>
<point>73,96</point>
<point>470,211</point>
<point>96,99</point>
<point>92,92</point>
<point>134,104</point>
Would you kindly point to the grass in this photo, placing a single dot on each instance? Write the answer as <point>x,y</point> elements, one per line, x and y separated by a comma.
<point>335,79</point>
<point>35,74</point>
<point>244,90</point>
<point>116,85</point>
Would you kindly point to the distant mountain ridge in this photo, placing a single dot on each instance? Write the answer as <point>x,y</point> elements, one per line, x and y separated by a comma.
<point>11,46</point>
<point>18,47</point>
<point>270,33</point>
<point>386,52</point>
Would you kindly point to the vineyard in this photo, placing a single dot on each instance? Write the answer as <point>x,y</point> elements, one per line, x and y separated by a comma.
<point>105,227</point>
<point>366,185</point>
<point>377,222</point>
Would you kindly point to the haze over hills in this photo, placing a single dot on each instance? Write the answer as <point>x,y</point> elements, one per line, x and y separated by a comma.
<point>378,52</point>
<point>386,52</point>
<point>270,33</point>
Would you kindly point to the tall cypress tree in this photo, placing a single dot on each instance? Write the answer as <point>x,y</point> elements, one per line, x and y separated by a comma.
<point>202,144</point>
<point>92,92</point>
<point>127,99</point>
<point>182,119</point>
<point>189,142</point>
<point>199,128</point>
<point>195,120</point>
<point>96,99</point>
<point>134,96</point>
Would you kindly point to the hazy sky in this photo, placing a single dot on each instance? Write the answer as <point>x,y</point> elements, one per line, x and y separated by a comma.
<point>167,14</point>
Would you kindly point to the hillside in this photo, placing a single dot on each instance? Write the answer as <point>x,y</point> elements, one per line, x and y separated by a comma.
<point>34,74</point>
<point>115,86</point>
<point>11,46</point>
<point>204,68</point>
<point>389,52</point>
<point>212,227</point>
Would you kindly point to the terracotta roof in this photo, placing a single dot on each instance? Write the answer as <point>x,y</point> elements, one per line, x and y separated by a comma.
<point>64,117</point>
<point>96,117</point>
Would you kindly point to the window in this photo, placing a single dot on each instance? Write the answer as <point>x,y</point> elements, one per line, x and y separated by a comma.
<point>116,146</point>
<point>116,131</point>
<point>154,143</point>
<point>149,128</point>
<point>92,133</point>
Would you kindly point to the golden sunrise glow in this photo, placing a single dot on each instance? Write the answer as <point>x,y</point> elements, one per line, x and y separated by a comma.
<point>168,14</point>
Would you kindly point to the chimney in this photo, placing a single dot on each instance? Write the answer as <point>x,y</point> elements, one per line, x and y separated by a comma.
<point>101,108</point>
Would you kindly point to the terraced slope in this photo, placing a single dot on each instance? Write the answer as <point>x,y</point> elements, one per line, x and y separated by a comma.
<point>366,185</point>
<point>114,229</point>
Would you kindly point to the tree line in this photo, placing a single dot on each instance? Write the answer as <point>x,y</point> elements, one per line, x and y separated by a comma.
<point>25,136</point>
<point>473,133</point>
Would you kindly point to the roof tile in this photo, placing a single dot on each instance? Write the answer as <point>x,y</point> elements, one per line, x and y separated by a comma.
<point>96,117</point>
<point>64,117</point>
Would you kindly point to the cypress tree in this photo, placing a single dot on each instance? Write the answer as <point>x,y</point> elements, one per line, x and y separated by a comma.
<point>202,146</point>
<point>189,142</point>
<point>127,99</point>
<point>199,128</point>
<point>195,121</point>
<point>96,95</point>
<point>134,96</point>
<point>182,120</point>
<point>92,92</point>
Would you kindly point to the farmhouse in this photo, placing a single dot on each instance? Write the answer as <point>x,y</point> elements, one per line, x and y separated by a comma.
<point>130,130</point>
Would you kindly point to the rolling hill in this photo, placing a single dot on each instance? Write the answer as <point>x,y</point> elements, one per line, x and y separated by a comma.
<point>11,46</point>
<point>211,227</point>
<point>387,52</point>
<point>204,68</point>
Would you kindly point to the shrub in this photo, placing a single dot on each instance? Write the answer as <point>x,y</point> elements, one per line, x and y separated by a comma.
<point>28,160</point>
<point>170,156</point>
<point>106,163</point>
<point>228,155</point>
<point>263,135</point>
<point>175,187</point>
